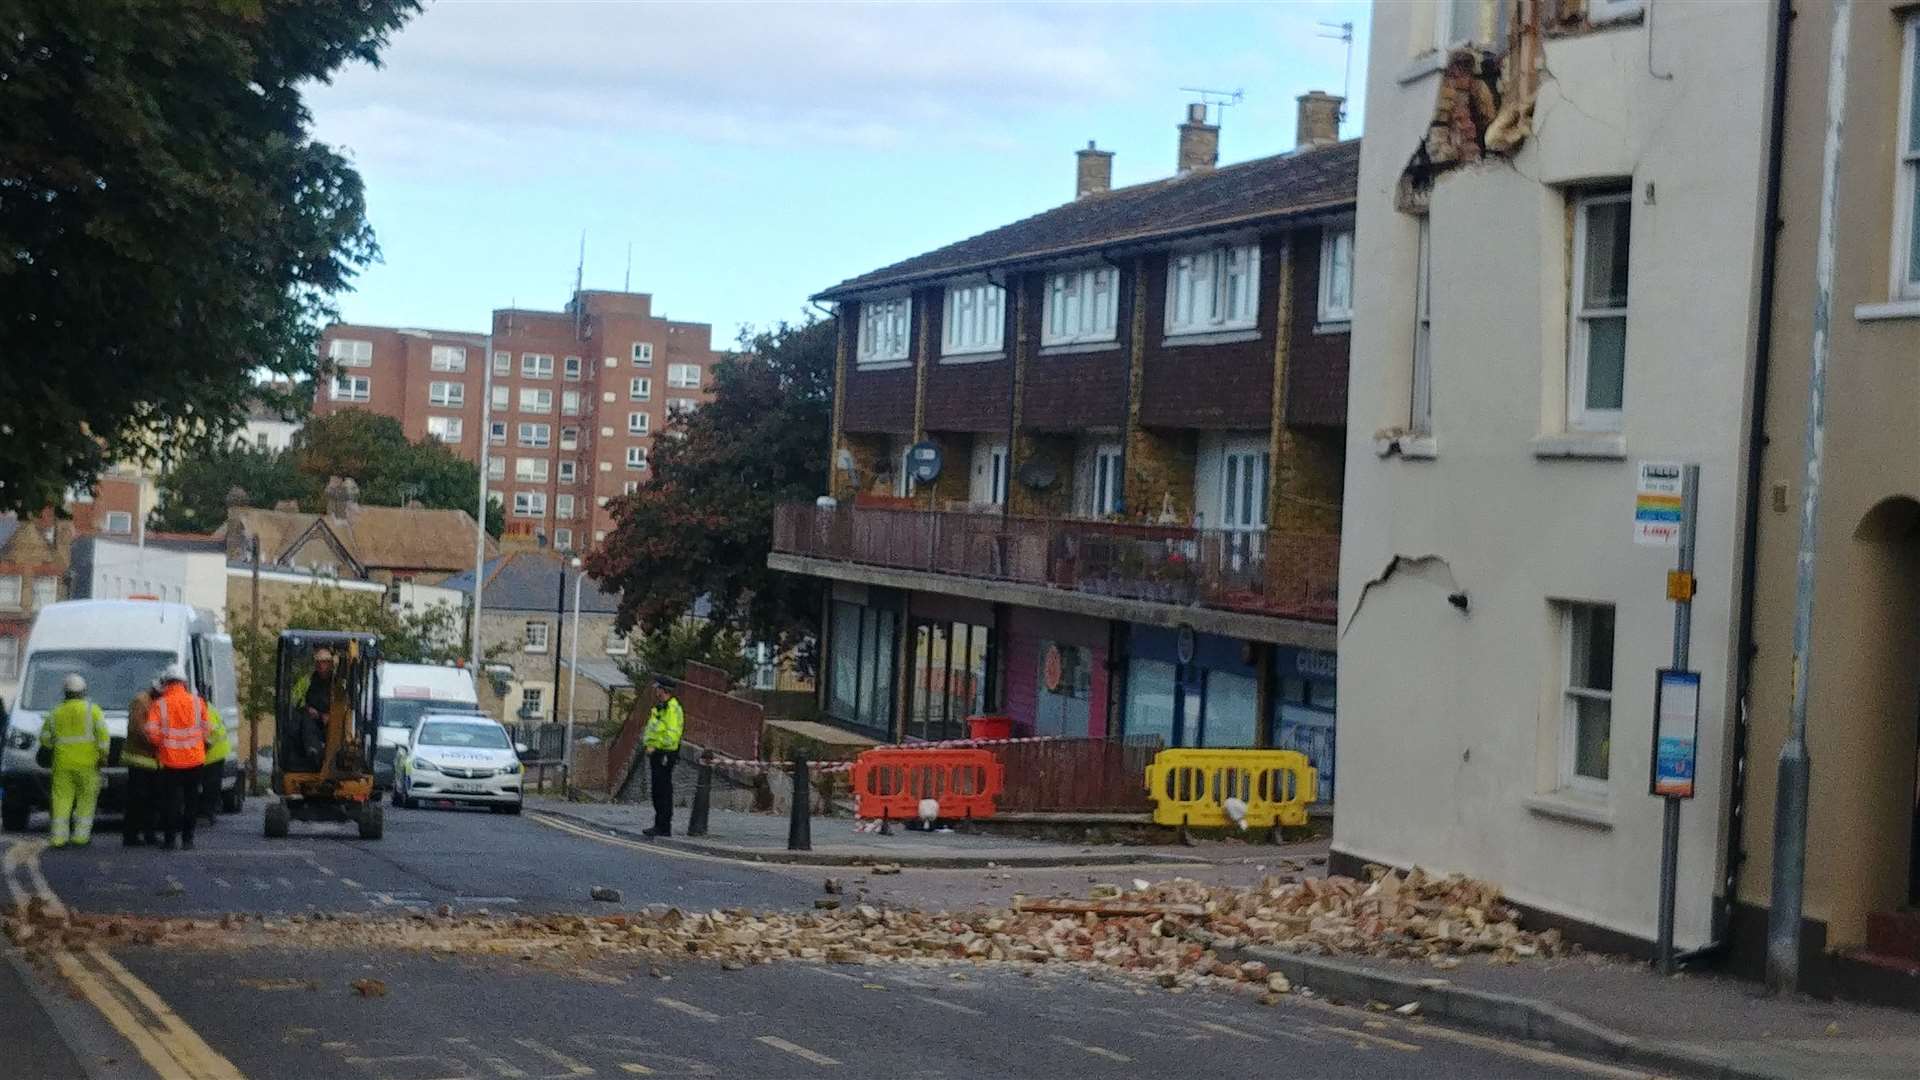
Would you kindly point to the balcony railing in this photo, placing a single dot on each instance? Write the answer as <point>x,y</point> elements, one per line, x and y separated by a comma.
<point>1291,575</point>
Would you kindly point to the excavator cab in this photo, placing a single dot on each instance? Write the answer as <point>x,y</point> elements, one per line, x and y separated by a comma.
<point>324,689</point>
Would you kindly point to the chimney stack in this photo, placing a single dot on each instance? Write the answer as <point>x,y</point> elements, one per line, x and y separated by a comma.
<point>1093,171</point>
<point>1319,120</point>
<point>343,497</point>
<point>1199,140</point>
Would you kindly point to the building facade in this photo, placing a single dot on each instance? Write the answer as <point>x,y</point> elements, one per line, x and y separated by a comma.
<point>527,632</point>
<point>577,397</point>
<point>1561,251</point>
<point>1138,401</point>
<point>33,569</point>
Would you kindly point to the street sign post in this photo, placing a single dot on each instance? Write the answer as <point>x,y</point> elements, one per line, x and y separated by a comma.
<point>1666,511</point>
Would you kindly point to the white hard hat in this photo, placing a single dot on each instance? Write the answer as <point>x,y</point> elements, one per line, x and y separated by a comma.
<point>174,673</point>
<point>74,684</point>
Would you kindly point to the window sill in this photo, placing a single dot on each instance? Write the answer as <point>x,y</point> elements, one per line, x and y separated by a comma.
<point>1572,808</point>
<point>1590,446</point>
<point>1210,337</point>
<point>1334,326</point>
<point>953,359</point>
<point>1422,66</point>
<point>1392,443</point>
<point>1069,348</point>
<point>1893,309</point>
<point>882,365</point>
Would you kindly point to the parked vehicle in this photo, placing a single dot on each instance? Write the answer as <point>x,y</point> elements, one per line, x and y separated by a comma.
<point>119,647</point>
<point>459,758</point>
<point>408,692</point>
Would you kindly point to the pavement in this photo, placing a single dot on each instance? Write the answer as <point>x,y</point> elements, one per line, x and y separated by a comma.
<point>763,838</point>
<point>291,1010</point>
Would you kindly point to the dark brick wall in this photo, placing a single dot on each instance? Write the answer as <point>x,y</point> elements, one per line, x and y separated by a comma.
<point>1317,362</point>
<point>878,402</point>
<point>970,397</point>
<point>1073,391</point>
<point>1209,387</point>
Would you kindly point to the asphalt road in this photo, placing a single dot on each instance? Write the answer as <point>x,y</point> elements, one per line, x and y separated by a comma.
<point>293,1011</point>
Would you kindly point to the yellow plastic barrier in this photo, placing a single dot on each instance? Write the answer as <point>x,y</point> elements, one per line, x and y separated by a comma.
<point>1191,786</point>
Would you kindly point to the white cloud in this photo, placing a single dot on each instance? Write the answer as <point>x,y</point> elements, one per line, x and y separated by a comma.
<point>868,76</point>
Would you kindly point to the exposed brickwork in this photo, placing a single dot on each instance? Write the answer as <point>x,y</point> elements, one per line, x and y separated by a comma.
<point>1308,482</point>
<point>872,461</point>
<point>1053,450</point>
<point>1159,463</point>
<point>1221,387</point>
<point>956,466</point>
<point>1316,378</point>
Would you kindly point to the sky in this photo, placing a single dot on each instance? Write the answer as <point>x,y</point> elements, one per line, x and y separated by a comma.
<point>752,154</point>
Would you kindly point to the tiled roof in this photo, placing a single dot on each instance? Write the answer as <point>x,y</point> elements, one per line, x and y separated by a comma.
<point>1248,193</point>
<point>530,581</point>
<point>376,536</point>
<point>603,673</point>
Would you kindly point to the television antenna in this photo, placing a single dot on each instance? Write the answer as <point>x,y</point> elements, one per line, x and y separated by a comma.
<point>1342,31</point>
<point>1217,100</point>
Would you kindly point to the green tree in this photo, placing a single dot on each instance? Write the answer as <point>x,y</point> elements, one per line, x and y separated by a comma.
<point>667,650</point>
<point>702,525</point>
<point>169,228</point>
<point>193,494</point>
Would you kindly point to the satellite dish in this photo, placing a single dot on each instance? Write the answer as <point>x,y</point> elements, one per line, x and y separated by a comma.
<point>1039,475</point>
<point>923,462</point>
<point>844,460</point>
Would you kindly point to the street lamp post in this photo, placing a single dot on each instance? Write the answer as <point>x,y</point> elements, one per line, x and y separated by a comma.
<point>573,673</point>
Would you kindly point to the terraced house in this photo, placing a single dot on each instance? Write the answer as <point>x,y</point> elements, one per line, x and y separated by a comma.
<point>1138,400</point>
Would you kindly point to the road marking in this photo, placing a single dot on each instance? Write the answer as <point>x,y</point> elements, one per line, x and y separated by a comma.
<point>1535,1054</point>
<point>223,883</point>
<point>796,1050</point>
<point>954,1005</point>
<point>1368,1036</point>
<point>694,1011</point>
<point>350,883</point>
<point>1098,1051</point>
<point>573,1067</point>
<point>285,883</point>
<point>1228,1029</point>
<point>500,1065</point>
<point>261,884</point>
<point>327,870</point>
<point>210,1061</point>
<point>637,1070</point>
<point>835,974</point>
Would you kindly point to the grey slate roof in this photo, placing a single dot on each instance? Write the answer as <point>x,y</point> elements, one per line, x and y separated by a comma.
<point>602,673</point>
<point>1297,183</point>
<point>530,581</point>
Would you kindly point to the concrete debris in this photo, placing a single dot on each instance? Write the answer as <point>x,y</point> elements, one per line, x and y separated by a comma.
<point>1278,983</point>
<point>606,894</point>
<point>445,911</point>
<point>370,988</point>
<point>1411,1008</point>
<point>171,888</point>
<point>885,868</point>
<point>832,887</point>
<point>1104,892</point>
<point>827,903</point>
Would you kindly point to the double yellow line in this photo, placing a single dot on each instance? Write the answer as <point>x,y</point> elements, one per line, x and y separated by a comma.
<point>172,1049</point>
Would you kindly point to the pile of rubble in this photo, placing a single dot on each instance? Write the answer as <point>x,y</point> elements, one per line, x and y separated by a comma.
<point>1166,931</point>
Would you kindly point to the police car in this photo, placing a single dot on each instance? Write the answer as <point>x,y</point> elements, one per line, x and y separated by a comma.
<point>458,758</point>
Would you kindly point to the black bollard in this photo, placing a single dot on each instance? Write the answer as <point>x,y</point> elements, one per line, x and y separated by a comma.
<point>799,819</point>
<point>702,801</point>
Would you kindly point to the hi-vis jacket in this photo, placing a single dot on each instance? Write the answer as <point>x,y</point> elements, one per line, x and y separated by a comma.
<point>664,726</point>
<point>177,727</point>
<point>77,731</point>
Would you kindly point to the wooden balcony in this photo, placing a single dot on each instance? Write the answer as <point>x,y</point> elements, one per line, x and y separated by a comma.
<point>1283,575</point>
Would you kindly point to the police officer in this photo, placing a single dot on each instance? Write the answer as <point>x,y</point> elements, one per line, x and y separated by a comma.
<point>177,728</point>
<point>141,816</point>
<point>662,741</point>
<point>77,732</point>
<point>219,746</point>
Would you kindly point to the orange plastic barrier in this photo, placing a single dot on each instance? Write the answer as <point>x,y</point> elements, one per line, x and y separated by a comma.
<point>890,781</point>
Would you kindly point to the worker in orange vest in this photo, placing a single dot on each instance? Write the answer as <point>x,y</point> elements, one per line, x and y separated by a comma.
<point>178,729</point>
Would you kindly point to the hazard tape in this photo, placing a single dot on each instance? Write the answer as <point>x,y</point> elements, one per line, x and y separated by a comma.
<point>751,765</point>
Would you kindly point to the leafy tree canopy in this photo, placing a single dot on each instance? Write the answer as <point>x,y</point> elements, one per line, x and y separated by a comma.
<point>168,227</point>
<point>702,525</point>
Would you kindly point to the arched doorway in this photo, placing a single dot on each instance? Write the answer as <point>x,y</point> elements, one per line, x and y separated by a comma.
<point>1884,590</point>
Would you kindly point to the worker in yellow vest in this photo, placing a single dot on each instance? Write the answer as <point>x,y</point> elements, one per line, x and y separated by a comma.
<point>219,745</point>
<point>661,738</point>
<point>77,732</point>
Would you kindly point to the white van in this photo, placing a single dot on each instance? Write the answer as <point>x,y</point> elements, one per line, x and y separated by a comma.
<point>119,647</point>
<point>408,692</point>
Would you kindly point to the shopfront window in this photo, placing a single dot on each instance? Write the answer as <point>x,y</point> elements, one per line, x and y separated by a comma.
<point>1232,711</point>
<point>1150,686</point>
<point>860,666</point>
<point>1064,698</point>
<point>950,666</point>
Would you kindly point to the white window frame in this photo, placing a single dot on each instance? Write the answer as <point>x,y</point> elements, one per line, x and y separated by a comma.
<point>529,504</point>
<point>1446,36</point>
<point>1579,340</point>
<point>973,319</point>
<point>114,516</point>
<point>1904,267</point>
<point>503,363</point>
<point>1081,306</point>
<point>536,399</point>
<point>682,406</point>
<point>502,398</point>
<point>536,366</point>
<point>569,471</point>
<point>617,643</point>
<point>886,331</point>
<point>630,487</point>
<point>1601,11</point>
<point>571,367</point>
<point>1335,309</point>
<point>535,436</point>
<point>447,358</point>
<point>1571,638</point>
<point>639,423</point>
<point>570,403</point>
<point>12,590</point>
<point>44,590</point>
<point>563,539</point>
<point>1420,408</point>
<point>452,395</point>
<point>569,438</point>
<point>9,658</point>
<point>683,376</point>
<point>640,389</point>
<point>643,354</point>
<point>1106,481</point>
<point>497,432</point>
<point>1213,289</point>
<point>350,352</point>
<point>496,467</point>
<point>452,428</point>
<point>530,469</point>
<point>347,387</point>
<point>533,639</point>
<point>636,458</point>
<point>562,507</point>
<point>1246,476</point>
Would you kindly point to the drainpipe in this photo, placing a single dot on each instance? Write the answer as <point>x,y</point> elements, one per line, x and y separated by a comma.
<point>1796,764</point>
<point>1756,452</point>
